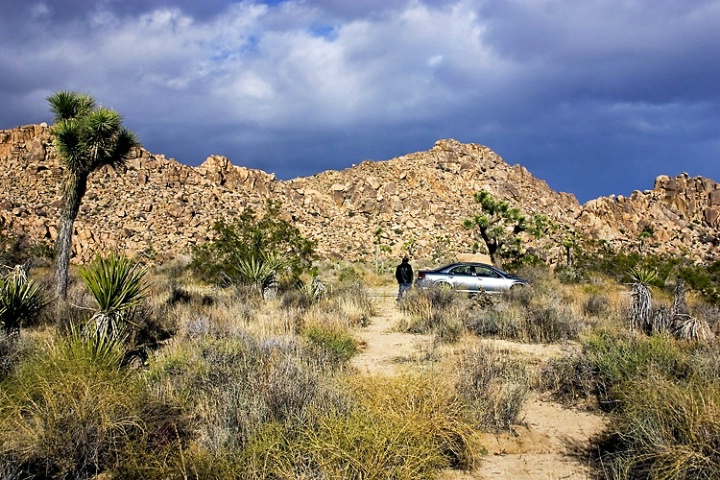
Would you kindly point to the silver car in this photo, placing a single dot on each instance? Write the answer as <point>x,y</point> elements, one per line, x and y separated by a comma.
<point>469,277</point>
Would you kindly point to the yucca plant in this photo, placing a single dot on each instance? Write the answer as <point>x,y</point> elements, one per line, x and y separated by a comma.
<point>315,289</point>
<point>261,271</point>
<point>21,298</point>
<point>642,297</point>
<point>117,284</point>
<point>105,347</point>
<point>643,275</point>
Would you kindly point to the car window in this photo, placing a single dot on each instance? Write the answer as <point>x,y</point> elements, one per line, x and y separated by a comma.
<point>486,272</point>
<point>460,270</point>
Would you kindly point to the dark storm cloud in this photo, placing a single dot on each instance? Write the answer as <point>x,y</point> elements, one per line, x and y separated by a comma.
<point>593,97</point>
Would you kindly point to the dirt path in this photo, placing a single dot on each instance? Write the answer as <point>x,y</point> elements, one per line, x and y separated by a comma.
<point>385,351</point>
<point>552,441</point>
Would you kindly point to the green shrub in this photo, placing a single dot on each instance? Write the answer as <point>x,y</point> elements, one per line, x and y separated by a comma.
<point>334,344</point>
<point>705,280</point>
<point>618,359</point>
<point>249,237</point>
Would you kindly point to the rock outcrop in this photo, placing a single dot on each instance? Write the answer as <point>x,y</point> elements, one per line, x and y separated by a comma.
<point>161,208</point>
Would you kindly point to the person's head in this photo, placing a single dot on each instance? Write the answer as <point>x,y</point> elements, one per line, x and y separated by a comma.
<point>405,260</point>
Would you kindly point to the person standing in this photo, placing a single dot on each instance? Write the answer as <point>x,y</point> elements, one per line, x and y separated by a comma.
<point>404,277</point>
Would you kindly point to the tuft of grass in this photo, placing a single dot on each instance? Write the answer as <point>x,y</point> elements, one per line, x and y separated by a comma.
<point>339,308</point>
<point>335,344</point>
<point>596,304</point>
<point>402,428</point>
<point>493,385</point>
<point>437,311</point>
<point>666,430</point>
<point>67,412</point>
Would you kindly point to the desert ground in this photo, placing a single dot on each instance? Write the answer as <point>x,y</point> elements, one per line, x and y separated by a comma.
<point>551,442</point>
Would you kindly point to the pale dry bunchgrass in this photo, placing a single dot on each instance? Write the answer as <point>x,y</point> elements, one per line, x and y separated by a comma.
<point>68,412</point>
<point>400,427</point>
<point>438,311</point>
<point>494,383</point>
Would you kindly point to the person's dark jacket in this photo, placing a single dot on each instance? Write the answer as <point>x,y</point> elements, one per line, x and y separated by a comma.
<point>404,273</point>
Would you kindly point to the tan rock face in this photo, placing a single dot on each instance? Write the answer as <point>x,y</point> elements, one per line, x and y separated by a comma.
<point>416,202</point>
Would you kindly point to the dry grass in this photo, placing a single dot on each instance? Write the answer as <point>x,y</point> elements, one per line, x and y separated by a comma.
<point>495,385</point>
<point>437,311</point>
<point>241,387</point>
<point>67,413</point>
<point>403,428</point>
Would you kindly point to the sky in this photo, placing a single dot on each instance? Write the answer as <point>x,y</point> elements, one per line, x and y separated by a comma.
<point>596,97</point>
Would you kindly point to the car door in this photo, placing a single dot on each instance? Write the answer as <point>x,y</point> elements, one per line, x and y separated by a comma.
<point>462,278</point>
<point>489,280</point>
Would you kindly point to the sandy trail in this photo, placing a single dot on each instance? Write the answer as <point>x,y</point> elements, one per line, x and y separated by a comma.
<point>385,351</point>
<point>552,441</point>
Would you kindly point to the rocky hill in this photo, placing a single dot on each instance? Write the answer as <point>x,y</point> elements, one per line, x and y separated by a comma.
<point>160,208</point>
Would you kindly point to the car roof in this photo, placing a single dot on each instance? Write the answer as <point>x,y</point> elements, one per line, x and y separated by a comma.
<point>472,264</point>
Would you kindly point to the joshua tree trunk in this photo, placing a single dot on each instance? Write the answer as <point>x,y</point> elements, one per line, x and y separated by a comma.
<point>74,190</point>
<point>493,248</point>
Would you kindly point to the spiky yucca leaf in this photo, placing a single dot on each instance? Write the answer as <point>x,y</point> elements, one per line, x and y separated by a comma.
<point>643,275</point>
<point>99,342</point>
<point>315,289</point>
<point>21,298</point>
<point>66,105</point>
<point>116,283</point>
<point>261,271</point>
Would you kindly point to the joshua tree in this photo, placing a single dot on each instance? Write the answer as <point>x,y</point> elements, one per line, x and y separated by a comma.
<point>87,138</point>
<point>498,225</point>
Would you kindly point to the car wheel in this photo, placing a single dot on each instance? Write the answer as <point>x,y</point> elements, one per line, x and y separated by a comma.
<point>444,286</point>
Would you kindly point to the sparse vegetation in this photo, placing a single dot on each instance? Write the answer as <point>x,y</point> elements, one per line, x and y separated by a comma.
<point>442,312</point>
<point>496,386</point>
<point>253,387</point>
<point>538,314</point>
<point>663,395</point>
